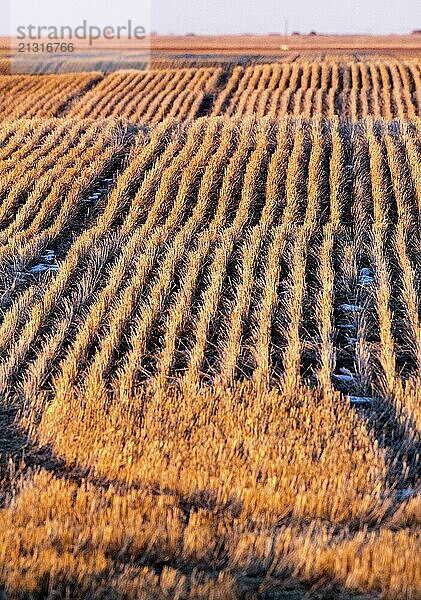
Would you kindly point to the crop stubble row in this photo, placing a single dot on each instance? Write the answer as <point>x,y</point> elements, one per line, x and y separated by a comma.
<point>350,90</point>
<point>194,334</point>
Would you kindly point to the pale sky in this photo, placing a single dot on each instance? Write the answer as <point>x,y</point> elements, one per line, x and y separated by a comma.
<point>263,16</point>
<point>226,16</point>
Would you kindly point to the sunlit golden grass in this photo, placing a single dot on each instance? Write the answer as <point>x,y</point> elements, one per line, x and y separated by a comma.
<point>210,338</point>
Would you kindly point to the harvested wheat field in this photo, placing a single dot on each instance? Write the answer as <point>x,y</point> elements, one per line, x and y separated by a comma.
<point>210,333</point>
<point>27,96</point>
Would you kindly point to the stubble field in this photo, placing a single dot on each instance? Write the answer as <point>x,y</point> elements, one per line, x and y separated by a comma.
<point>210,337</point>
